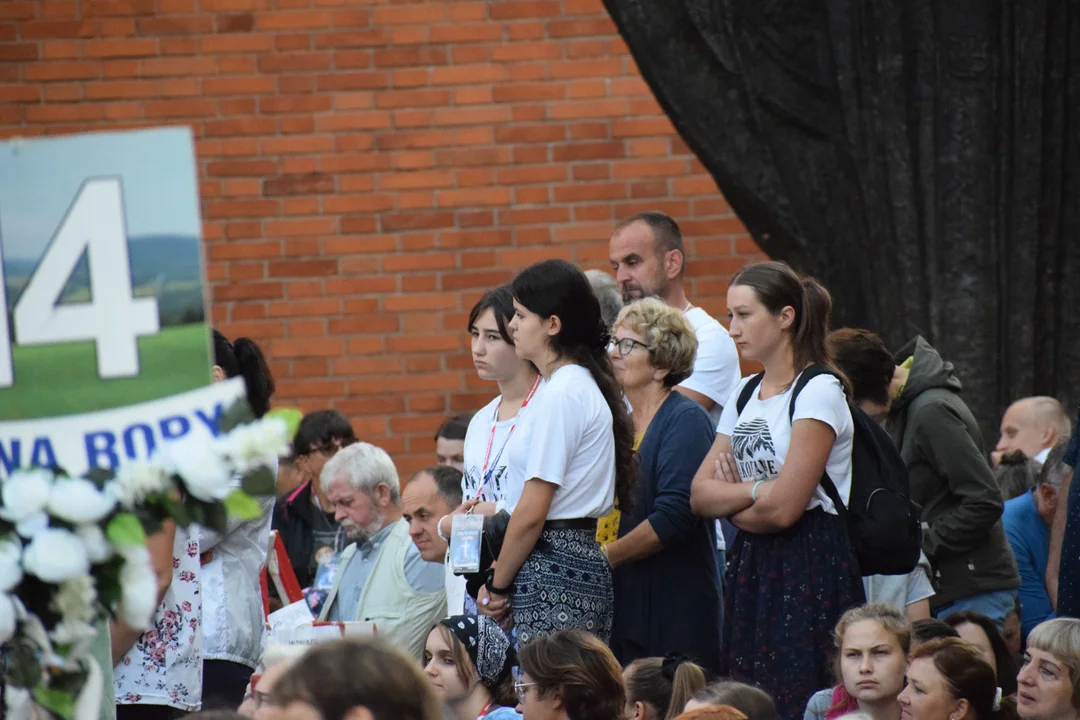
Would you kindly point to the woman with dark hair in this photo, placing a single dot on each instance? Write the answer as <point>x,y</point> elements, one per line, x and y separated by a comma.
<point>232,613</point>
<point>791,573</point>
<point>948,679</point>
<point>470,661</point>
<point>490,429</point>
<point>569,459</point>
<point>570,675</point>
<point>980,632</point>
<point>242,357</point>
<point>659,688</point>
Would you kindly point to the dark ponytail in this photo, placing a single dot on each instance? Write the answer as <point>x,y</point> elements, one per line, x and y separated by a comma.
<point>777,286</point>
<point>557,288</point>
<point>244,358</point>
<point>665,684</point>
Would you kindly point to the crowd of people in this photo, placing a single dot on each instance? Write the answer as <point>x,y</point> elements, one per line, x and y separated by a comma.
<point>633,529</point>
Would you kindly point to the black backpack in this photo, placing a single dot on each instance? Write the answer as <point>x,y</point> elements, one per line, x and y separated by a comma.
<point>884,525</point>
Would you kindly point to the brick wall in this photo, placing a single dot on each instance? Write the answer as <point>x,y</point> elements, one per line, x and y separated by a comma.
<point>369,167</point>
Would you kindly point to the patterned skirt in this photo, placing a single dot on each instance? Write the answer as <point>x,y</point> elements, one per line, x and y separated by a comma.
<point>564,584</point>
<point>785,593</point>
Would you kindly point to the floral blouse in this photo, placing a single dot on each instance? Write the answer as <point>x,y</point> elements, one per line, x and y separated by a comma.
<point>164,667</point>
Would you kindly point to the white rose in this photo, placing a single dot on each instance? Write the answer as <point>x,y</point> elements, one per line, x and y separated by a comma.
<point>98,547</point>
<point>138,592</point>
<point>10,565</point>
<point>55,555</point>
<point>257,444</point>
<point>25,494</point>
<point>137,481</point>
<point>75,599</point>
<point>204,471</point>
<point>7,619</point>
<point>73,632</point>
<point>77,500</point>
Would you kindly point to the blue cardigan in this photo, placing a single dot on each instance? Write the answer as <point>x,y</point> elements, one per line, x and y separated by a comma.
<point>670,601</point>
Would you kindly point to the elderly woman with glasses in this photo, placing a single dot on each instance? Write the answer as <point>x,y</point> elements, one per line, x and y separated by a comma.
<point>667,586</point>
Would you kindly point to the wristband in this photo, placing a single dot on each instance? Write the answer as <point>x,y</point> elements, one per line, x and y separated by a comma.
<point>753,490</point>
<point>438,529</point>
<point>503,592</point>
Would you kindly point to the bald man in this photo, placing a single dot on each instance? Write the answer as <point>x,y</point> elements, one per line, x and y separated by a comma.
<point>1032,425</point>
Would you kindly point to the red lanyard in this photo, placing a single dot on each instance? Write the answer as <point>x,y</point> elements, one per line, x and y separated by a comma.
<point>484,476</point>
<point>487,708</point>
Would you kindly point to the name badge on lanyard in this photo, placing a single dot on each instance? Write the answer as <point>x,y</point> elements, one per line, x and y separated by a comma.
<point>465,535</point>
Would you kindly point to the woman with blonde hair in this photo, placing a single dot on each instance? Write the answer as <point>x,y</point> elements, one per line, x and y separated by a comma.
<point>1050,674</point>
<point>661,543</point>
<point>872,644</point>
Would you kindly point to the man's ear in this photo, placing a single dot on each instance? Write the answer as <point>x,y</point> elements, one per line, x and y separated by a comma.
<point>217,373</point>
<point>673,264</point>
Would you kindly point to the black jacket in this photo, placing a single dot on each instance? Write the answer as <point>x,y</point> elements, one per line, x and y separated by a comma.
<point>296,520</point>
<point>951,479</point>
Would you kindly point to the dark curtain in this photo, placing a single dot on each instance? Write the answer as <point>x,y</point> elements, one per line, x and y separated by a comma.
<point>920,158</point>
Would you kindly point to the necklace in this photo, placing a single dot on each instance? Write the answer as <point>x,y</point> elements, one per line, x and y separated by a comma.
<point>687,308</point>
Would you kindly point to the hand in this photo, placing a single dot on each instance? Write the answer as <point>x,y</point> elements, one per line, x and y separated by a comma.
<point>446,521</point>
<point>724,468</point>
<point>494,606</point>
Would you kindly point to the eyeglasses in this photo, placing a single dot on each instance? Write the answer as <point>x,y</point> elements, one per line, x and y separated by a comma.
<point>263,700</point>
<point>522,689</point>
<point>626,346</point>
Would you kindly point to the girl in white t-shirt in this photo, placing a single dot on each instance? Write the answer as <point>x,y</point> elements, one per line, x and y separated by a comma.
<point>791,573</point>
<point>568,459</point>
<point>490,429</point>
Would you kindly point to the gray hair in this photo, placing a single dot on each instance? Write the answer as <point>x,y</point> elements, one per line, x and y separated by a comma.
<point>1054,469</point>
<point>607,292</point>
<point>364,466</point>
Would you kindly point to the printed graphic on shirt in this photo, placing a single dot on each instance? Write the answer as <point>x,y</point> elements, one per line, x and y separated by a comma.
<point>493,491</point>
<point>755,454</point>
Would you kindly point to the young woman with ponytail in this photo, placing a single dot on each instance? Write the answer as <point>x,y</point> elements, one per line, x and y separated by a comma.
<point>791,573</point>
<point>659,688</point>
<point>569,458</point>
<point>231,561</point>
<point>242,357</point>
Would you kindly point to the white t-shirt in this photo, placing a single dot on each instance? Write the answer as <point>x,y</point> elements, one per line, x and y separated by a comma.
<point>899,591</point>
<point>761,435</point>
<point>564,436</point>
<point>476,444</point>
<point>716,366</point>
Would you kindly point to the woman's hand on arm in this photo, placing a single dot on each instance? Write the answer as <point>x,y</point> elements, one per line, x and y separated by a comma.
<point>782,502</point>
<point>717,489</point>
<point>446,521</point>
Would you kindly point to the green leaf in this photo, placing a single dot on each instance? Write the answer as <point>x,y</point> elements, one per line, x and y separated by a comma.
<point>60,702</point>
<point>242,506</point>
<point>125,530</point>
<point>260,481</point>
<point>211,515</point>
<point>238,414</point>
<point>291,416</point>
<point>177,511</point>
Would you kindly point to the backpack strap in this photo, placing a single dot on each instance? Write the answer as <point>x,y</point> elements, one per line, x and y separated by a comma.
<point>748,391</point>
<point>826,482</point>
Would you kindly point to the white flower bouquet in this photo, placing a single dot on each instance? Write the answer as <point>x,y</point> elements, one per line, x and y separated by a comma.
<point>73,550</point>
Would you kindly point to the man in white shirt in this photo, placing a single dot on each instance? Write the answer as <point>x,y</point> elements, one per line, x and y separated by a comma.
<point>432,494</point>
<point>648,257</point>
<point>647,254</point>
<point>1032,425</point>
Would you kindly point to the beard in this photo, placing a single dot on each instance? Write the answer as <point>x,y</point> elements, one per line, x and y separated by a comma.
<point>632,291</point>
<point>360,534</point>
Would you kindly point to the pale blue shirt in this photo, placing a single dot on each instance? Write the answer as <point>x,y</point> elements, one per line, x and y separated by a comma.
<point>423,576</point>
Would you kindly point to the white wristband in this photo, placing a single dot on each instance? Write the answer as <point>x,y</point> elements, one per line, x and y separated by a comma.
<point>438,528</point>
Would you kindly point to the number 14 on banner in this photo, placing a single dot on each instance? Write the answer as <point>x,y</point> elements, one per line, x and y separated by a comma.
<point>113,318</point>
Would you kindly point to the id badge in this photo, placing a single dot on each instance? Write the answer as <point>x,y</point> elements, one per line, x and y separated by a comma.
<point>465,535</point>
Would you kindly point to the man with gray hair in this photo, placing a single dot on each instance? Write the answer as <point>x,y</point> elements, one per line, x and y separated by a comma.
<point>1027,520</point>
<point>607,292</point>
<point>381,577</point>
